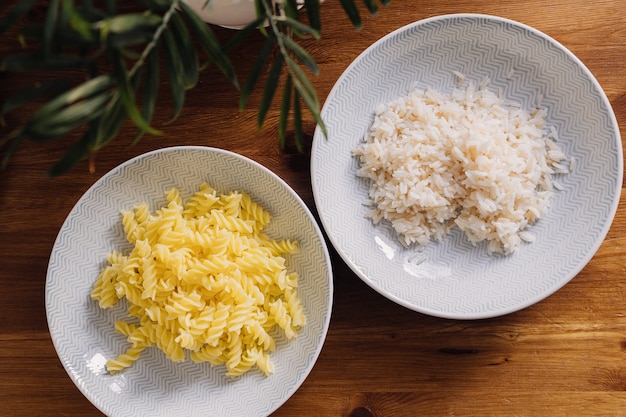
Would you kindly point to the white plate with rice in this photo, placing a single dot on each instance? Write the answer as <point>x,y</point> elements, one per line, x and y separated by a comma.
<point>84,334</point>
<point>430,213</point>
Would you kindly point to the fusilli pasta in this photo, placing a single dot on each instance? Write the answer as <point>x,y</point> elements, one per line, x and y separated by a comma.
<point>202,277</point>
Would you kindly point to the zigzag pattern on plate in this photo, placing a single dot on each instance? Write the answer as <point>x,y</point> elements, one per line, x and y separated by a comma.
<point>83,334</point>
<point>524,65</point>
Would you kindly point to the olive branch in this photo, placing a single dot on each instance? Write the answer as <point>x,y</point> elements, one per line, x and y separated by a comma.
<point>76,35</point>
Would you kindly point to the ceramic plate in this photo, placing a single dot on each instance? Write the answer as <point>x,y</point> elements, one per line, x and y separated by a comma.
<point>452,278</point>
<point>83,333</point>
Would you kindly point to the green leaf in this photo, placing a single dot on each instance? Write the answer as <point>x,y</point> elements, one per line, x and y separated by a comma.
<point>49,25</point>
<point>255,71</point>
<point>302,55</point>
<point>313,13</point>
<point>243,34</point>
<point>283,117</point>
<point>76,21</point>
<point>67,119</point>
<point>155,5</point>
<point>32,93</point>
<point>130,38</point>
<point>150,88</point>
<point>89,12</point>
<point>36,61</point>
<point>371,6</point>
<point>297,121</point>
<point>299,27</point>
<point>306,92</point>
<point>290,8</point>
<point>128,22</point>
<point>187,51</point>
<point>270,88</point>
<point>302,83</point>
<point>16,13</point>
<point>349,6</point>
<point>209,42</point>
<point>83,91</point>
<point>263,11</point>
<point>127,96</point>
<point>110,122</point>
<point>76,153</point>
<point>320,123</point>
<point>175,73</point>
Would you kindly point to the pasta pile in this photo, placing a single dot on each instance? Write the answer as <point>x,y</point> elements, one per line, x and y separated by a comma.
<point>202,277</point>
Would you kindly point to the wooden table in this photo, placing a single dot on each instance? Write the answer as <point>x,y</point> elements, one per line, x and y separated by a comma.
<point>563,356</point>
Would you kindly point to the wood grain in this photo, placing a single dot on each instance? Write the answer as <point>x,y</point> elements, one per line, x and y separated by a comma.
<point>563,356</point>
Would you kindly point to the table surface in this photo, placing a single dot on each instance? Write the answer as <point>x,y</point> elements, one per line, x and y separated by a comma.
<point>564,355</point>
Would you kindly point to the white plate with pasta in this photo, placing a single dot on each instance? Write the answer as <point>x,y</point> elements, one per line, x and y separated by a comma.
<point>189,281</point>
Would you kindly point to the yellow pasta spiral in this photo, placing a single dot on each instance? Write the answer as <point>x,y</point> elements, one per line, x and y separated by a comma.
<point>202,280</point>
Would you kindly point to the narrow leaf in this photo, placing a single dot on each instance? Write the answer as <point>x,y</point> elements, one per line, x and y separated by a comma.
<point>155,5</point>
<point>187,50</point>
<point>127,96</point>
<point>16,13</point>
<point>283,117</point>
<point>298,26</point>
<point>243,34</point>
<point>349,6</point>
<point>307,93</point>
<point>110,122</point>
<point>49,25</point>
<point>129,22</point>
<point>150,88</point>
<point>297,121</point>
<point>301,82</point>
<point>30,94</point>
<point>313,13</point>
<point>130,38</point>
<point>89,12</point>
<point>175,73</point>
<point>260,8</point>
<point>76,153</point>
<point>77,22</point>
<point>371,6</point>
<point>320,123</point>
<point>270,88</point>
<point>67,119</point>
<point>80,92</point>
<point>255,71</point>
<point>302,55</point>
<point>209,42</point>
<point>290,8</point>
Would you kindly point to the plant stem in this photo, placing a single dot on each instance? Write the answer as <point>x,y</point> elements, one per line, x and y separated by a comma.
<point>155,38</point>
<point>270,15</point>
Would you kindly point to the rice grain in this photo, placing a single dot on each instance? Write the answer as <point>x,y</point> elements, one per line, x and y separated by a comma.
<point>466,160</point>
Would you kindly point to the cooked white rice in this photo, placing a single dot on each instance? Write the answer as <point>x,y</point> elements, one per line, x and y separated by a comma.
<point>465,159</point>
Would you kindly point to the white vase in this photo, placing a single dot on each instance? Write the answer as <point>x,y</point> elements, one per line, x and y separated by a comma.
<point>234,14</point>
